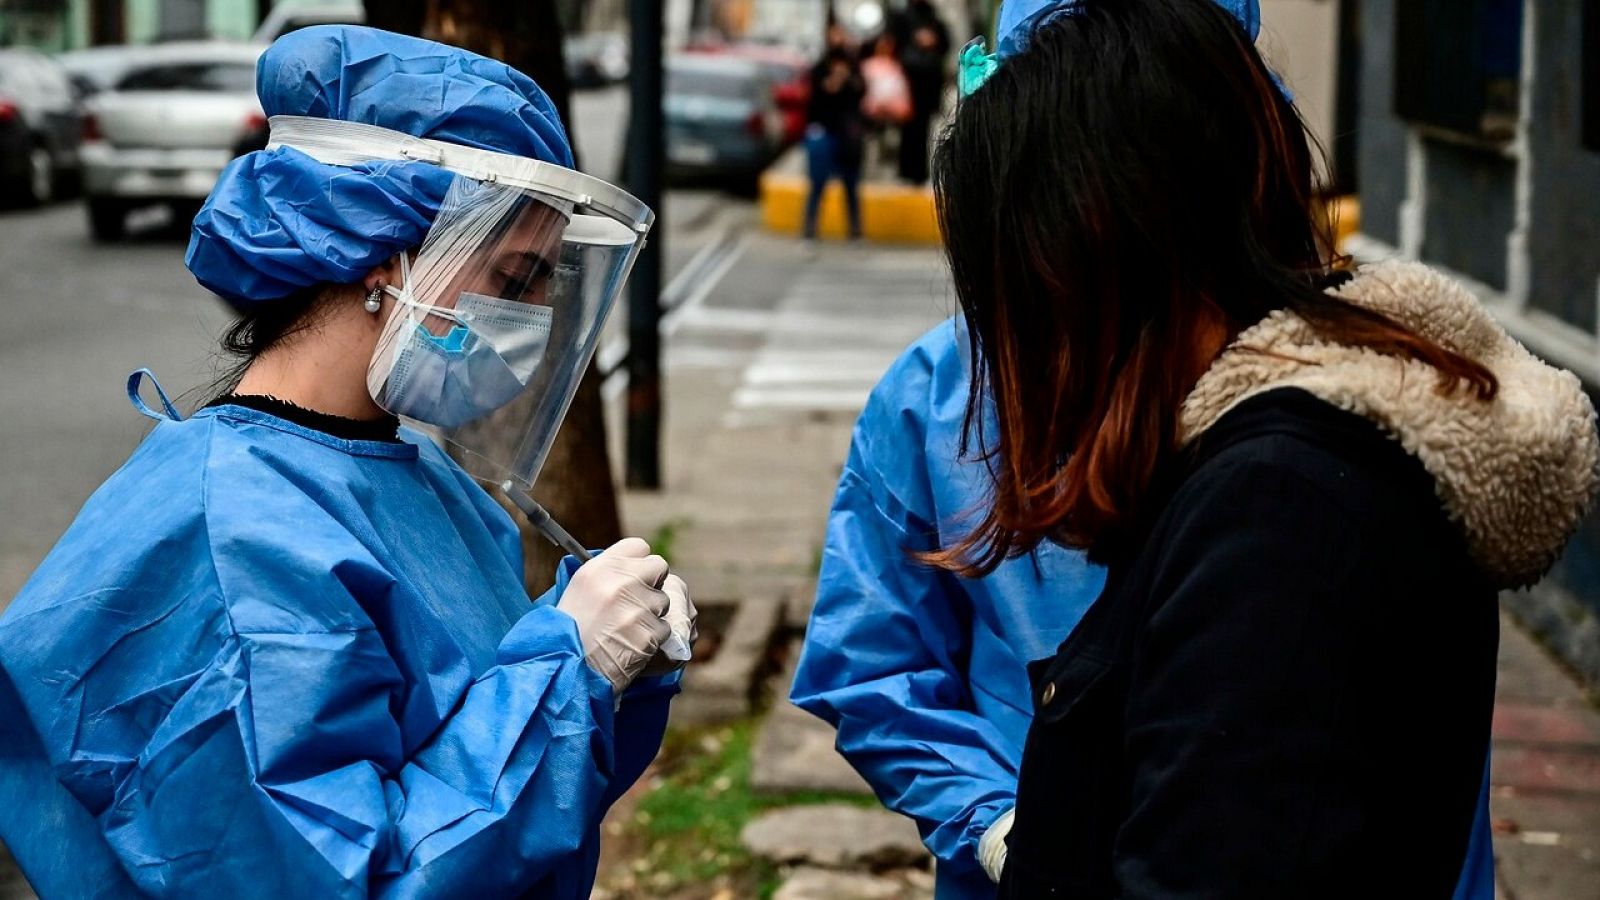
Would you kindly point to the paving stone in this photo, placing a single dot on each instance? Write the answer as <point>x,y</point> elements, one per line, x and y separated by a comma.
<point>794,752</point>
<point>835,836</point>
<point>724,687</point>
<point>826,884</point>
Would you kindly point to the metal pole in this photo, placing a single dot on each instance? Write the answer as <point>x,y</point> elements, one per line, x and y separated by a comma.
<point>645,151</point>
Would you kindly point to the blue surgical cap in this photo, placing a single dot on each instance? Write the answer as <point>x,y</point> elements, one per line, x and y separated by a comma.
<point>1019,18</point>
<point>278,220</point>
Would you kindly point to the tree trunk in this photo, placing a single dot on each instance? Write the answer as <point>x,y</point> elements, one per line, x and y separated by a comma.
<point>576,484</point>
<point>403,16</point>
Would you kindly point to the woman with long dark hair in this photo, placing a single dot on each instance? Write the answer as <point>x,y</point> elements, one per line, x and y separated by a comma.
<point>1307,482</point>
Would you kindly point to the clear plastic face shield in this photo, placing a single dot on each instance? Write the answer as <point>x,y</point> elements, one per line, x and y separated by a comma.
<point>498,313</point>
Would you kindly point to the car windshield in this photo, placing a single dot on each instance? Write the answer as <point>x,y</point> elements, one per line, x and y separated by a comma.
<point>192,76</point>
<point>723,85</point>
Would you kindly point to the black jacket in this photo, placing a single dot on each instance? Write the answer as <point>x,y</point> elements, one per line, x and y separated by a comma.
<point>1285,690</point>
<point>838,112</point>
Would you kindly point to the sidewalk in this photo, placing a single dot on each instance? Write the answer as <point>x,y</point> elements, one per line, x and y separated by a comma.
<point>1546,777</point>
<point>760,405</point>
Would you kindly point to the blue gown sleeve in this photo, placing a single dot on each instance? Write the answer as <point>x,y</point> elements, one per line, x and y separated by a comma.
<point>641,717</point>
<point>884,652</point>
<point>278,768</point>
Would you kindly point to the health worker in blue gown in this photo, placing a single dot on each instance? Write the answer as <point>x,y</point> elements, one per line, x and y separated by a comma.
<point>286,651</point>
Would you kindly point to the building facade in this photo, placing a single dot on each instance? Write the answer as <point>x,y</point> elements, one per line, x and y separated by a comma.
<point>72,24</point>
<point>1479,151</point>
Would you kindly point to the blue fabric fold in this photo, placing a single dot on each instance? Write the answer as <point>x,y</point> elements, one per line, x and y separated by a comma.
<point>922,673</point>
<point>278,221</point>
<point>233,678</point>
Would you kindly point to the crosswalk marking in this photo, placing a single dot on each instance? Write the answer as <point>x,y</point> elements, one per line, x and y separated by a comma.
<point>831,335</point>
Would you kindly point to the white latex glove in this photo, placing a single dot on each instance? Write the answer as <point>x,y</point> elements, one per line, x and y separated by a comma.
<point>619,607</point>
<point>683,619</point>
<point>992,846</point>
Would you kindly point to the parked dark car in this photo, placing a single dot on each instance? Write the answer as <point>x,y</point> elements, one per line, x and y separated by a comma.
<point>788,69</point>
<point>722,120</point>
<point>40,122</point>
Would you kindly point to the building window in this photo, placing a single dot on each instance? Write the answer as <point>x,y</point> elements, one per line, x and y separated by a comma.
<point>1591,75</point>
<point>1458,65</point>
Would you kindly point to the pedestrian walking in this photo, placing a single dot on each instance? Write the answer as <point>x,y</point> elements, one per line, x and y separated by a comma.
<point>886,105</point>
<point>887,101</point>
<point>834,136</point>
<point>286,650</point>
<point>1307,483</point>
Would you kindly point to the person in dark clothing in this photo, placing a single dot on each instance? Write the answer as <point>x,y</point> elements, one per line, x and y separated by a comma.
<point>924,43</point>
<point>1307,483</point>
<point>834,136</point>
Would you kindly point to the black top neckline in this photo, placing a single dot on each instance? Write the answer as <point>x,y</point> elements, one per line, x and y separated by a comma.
<point>385,430</point>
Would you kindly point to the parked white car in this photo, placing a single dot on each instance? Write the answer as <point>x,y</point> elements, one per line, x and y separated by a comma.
<point>96,69</point>
<point>163,133</point>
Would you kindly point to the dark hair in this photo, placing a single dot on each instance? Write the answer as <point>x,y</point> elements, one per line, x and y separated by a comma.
<point>258,330</point>
<point>1117,203</point>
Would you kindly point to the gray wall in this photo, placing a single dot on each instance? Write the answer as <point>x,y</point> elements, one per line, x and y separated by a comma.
<point>1471,195</point>
<point>1471,200</point>
<point>1565,217</point>
<point>1564,272</point>
<point>1381,149</point>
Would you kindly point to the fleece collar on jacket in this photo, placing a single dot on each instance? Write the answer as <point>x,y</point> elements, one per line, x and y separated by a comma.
<point>1516,474</point>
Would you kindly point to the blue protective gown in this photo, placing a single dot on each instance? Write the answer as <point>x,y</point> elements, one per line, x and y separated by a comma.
<point>268,662</point>
<point>921,672</point>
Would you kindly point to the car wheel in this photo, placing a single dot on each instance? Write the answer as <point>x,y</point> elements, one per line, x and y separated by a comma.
<point>746,184</point>
<point>108,219</point>
<point>41,186</point>
<point>183,213</point>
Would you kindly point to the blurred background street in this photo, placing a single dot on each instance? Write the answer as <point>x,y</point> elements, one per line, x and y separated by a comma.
<point>116,115</point>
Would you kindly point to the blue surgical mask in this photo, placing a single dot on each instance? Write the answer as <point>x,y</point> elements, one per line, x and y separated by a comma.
<point>486,359</point>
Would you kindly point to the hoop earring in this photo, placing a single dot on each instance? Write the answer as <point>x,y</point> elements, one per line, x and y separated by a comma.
<point>373,303</point>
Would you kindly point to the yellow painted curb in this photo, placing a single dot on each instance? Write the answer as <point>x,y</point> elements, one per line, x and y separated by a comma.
<point>890,213</point>
<point>1346,218</point>
<point>902,214</point>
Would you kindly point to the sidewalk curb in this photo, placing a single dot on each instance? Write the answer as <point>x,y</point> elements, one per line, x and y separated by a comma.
<point>724,688</point>
<point>894,213</point>
<point>891,213</point>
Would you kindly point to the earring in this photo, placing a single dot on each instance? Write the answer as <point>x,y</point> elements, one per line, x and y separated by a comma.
<point>373,304</point>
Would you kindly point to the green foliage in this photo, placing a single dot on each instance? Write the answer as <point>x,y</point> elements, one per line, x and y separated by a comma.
<point>689,823</point>
<point>665,539</point>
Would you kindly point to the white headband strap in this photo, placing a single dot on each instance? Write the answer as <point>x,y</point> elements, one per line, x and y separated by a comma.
<point>338,143</point>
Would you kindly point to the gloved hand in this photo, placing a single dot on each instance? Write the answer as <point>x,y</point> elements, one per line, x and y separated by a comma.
<point>619,605</point>
<point>992,846</point>
<point>683,619</point>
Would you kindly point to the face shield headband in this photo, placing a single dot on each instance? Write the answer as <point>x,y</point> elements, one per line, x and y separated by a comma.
<point>498,313</point>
